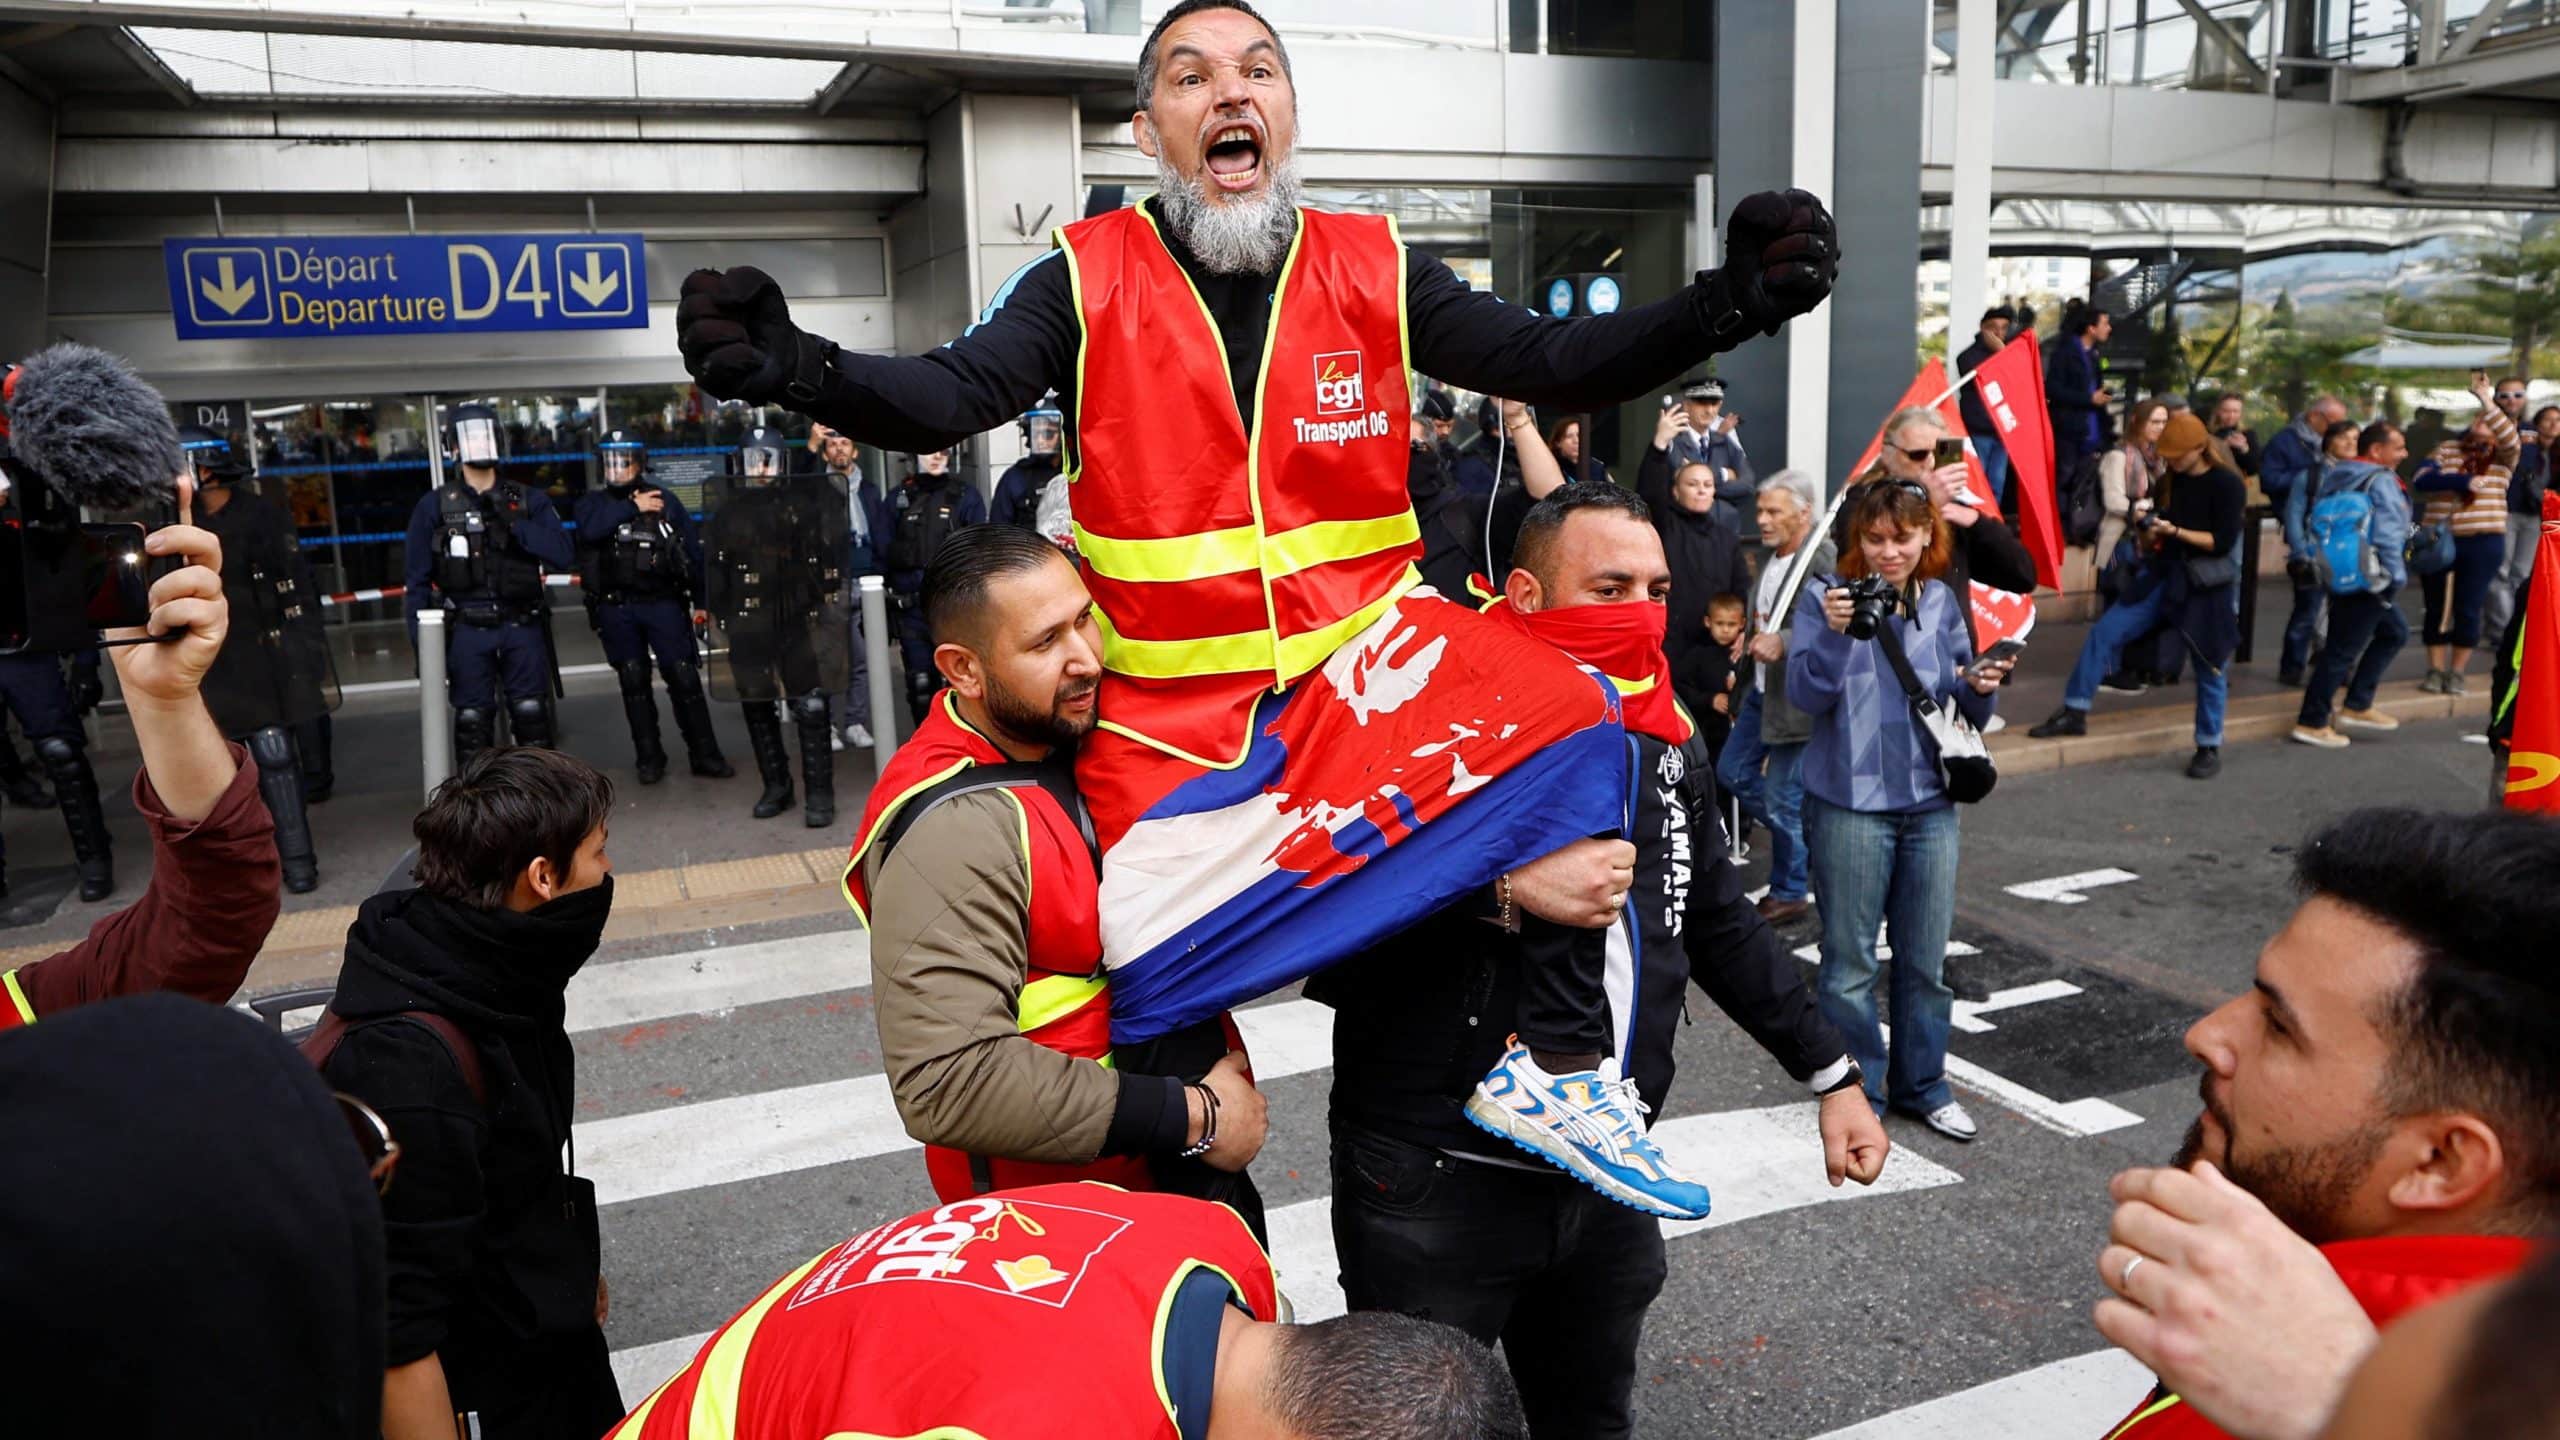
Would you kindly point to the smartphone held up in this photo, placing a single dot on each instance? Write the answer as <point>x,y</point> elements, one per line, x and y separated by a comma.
<point>88,467</point>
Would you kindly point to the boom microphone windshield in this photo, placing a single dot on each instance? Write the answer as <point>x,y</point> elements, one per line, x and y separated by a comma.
<point>84,423</point>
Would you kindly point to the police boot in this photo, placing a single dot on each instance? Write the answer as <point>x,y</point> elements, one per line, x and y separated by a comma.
<point>920,690</point>
<point>764,736</point>
<point>529,721</point>
<point>77,785</point>
<point>817,760</point>
<point>693,722</point>
<point>280,784</point>
<point>20,784</point>
<point>313,741</point>
<point>470,735</point>
<point>641,707</point>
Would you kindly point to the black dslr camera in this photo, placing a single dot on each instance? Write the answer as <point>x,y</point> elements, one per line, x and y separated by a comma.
<point>1871,600</point>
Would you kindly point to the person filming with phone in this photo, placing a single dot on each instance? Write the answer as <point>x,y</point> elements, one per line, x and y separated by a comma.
<point>1870,647</point>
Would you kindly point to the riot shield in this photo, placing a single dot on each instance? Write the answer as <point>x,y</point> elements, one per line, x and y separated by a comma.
<point>275,667</point>
<point>773,562</point>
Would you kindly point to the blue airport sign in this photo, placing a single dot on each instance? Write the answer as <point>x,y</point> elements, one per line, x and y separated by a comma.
<point>314,286</point>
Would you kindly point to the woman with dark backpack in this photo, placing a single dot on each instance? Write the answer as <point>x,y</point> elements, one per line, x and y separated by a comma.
<point>449,1021</point>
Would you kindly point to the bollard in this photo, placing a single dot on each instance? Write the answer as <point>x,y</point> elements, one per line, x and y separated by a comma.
<point>2250,539</point>
<point>875,648</point>
<point>435,717</point>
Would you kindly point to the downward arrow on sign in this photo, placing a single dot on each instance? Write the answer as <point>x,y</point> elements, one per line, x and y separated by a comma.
<point>233,292</point>
<point>595,287</point>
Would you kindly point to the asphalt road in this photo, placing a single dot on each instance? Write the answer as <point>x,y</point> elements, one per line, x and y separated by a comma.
<point>734,1118</point>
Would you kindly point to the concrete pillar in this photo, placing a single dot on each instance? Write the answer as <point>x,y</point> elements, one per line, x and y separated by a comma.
<point>26,217</point>
<point>1969,226</point>
<point>1000,172</point>
<point>1754,96</point>
<point>1811,166</point>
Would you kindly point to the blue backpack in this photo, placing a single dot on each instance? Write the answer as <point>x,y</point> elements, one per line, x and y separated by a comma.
<point>2340,532</point>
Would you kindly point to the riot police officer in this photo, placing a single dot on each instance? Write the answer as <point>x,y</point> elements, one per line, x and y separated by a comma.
<point>1017,500</point>
<point>934,502</point>
<point>33,688</point>
<point>642,565</point>
<point>773,580</point>
<point>273,680</point>
<point>477,547</point>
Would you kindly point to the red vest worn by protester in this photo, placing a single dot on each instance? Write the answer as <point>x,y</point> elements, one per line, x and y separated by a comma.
<point>1225,563</point>
<point>2388,1277</point>
<point>1026,1313</point>
<point>1064,1003</point>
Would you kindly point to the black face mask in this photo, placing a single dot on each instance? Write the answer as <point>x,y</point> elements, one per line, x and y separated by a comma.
<point>580,914</point>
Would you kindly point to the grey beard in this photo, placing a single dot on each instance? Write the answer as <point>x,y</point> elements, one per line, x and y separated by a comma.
<point>1239,234</point>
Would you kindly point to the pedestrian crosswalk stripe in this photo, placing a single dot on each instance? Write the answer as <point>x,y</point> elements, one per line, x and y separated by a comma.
<point>774,1132</point>
<point>656,987</point>
<point>2080,1396</point>
<point>1757,1162</point>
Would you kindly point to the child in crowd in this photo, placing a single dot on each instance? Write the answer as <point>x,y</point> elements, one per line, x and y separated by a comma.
<point>1705,675</point>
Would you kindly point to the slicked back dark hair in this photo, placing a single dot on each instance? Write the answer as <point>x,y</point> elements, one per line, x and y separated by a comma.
<point>2374,434</point>
<point>2478,1028</point>
<point>1534,551</point>
<point>500,813</point>
<point>1148,66</point>
<point>1377,1375</point>
<point>964,570</point>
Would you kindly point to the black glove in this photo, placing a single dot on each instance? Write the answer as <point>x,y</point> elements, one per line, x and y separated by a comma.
<point>735,330</point>
<point>86,688</point>
<point>1781,254</point>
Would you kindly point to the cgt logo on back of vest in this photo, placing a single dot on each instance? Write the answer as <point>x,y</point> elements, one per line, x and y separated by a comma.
<point>1338,387</point>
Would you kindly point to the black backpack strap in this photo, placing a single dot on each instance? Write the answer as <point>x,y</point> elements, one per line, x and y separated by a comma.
<point>1056,775</point>
<point>334,1028</point>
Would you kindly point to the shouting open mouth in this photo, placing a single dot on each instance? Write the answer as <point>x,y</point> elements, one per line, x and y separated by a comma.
<point>1233,150</point>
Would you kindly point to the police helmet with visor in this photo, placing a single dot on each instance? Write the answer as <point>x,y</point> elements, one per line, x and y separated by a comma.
<point>1042,425</point>
<point>760,455</point>
<point>622,457</point>
<point>476,436</point>
<point>216,460</point>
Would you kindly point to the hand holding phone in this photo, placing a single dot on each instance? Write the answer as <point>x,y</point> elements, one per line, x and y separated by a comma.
<point>2000,652</point>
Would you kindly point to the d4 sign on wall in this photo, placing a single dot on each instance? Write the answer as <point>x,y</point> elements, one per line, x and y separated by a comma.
<point>291,288</point>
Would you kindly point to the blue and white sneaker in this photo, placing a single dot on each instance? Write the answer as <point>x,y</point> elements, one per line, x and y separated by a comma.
<point>1586,1124</point>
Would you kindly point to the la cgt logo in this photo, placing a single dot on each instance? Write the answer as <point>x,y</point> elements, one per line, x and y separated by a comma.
<point>2529,771</point>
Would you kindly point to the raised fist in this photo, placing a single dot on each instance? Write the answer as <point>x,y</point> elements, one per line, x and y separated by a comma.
<point>1781,254</point>
<point>735,331</point>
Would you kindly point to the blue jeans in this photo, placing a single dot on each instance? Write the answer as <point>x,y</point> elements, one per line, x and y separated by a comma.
<point>1995,467</point>
<point>1898,872</point>
<point>2121,625</point>
<point>2301,628</point>
<point>2365,634</point>
<point>1775,801</point>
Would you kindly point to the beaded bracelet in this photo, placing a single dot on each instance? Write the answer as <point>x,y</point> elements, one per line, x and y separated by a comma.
<point>1209,1129</point>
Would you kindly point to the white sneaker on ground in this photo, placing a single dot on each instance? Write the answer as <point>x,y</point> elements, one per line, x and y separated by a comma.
<point>2368,720</point>
<point>858,737</point>
<point>1999,722</point>
<point>2325,737</point>
<point>1951,1121</point>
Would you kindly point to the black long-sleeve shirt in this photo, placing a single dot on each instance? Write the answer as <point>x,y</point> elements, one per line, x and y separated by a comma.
<point>1025,344</point>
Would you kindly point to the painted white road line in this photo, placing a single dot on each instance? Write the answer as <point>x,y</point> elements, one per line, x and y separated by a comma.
<point>2080,1396</point>
<point>774,1132</point>
<point>2071,889</point>
<point>2078,1119</point>
<point>1969,1013</point>
<point>1757,1162</point>
<point>656,987</point>
<point>1956,949</point>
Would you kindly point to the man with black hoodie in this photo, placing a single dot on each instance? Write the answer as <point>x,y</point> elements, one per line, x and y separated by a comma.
<point>450,1021</point>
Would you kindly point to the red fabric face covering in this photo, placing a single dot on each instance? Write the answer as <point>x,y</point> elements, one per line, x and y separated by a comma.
<point>1623,642</point>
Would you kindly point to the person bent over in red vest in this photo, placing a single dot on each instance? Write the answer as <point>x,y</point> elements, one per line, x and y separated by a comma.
<point>1069,1310</point>
<point>975,869</point>
<point>2386,1092</point>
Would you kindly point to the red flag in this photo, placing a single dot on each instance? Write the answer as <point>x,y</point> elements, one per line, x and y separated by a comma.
<point>1925,391</point>
<point>2012,387</point>
<point>2533,748</point>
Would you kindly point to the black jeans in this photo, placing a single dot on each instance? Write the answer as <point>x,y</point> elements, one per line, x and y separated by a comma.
<point>2365,636</point>
<point>1559,1275</point>
<point>1564,988</point>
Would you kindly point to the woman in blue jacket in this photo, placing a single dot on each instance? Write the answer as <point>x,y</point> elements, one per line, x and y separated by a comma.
<point>1879,829</point>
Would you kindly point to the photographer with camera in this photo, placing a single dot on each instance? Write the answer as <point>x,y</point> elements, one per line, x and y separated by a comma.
<point>1880,825</point>
<point>477,547</point>
<point>2182,577</point>
<point>213,892</point>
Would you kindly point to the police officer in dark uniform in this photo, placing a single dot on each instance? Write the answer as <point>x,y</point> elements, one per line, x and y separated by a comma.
<point>934,502</point>
<point>774,583</point>
<point>33,688</point>
<point>1017,499</point>
<point>478,546</point>
<point>18,782</point>
<point>1452,523</point>
<point>642,563</point>
<point>274,675</point>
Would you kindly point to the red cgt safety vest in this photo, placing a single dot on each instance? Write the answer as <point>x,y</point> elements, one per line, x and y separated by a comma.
<point>1064,1003</point>
<point>1224,563</point>
<point>1001,1317</point>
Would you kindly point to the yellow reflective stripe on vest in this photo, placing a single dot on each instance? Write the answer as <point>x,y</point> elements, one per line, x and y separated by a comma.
<point>1302,653</point>
<point>1626,688</point>
<point>1326,541</point>
<point>1045,1002</point>
<point>1240,653</point>
<point>1180,557</point>
<point>715,1391</point>
<point>18,1000</point>
<point>2145,1413</point>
